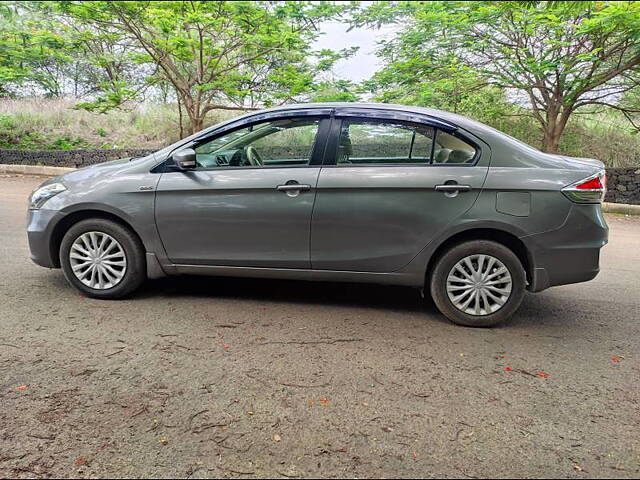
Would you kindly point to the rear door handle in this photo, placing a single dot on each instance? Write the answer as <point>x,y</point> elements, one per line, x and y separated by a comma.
<point>454,187</point>
<point>293,186</point>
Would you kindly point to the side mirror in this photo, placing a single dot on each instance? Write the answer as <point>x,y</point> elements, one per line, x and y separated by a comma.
<point>185,159</point>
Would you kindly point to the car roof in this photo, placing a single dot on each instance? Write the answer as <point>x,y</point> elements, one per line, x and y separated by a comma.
<point>485,132</point>
<point>452,118</point>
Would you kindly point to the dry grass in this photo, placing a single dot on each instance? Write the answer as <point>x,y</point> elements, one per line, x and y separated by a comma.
<point>142,126</point>
<point>606,136</point>
<point>55,124</point>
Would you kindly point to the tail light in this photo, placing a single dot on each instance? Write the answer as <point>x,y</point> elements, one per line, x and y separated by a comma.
<point>589,190</point>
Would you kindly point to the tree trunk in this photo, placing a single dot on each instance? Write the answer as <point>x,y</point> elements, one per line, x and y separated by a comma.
<point>180,122</point>
<point>194,112</point>
<point>554,127</point>
<point>196,123</point>
<point>551,140</point>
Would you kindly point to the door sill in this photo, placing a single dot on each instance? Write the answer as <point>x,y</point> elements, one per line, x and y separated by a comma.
<point>393,278</point>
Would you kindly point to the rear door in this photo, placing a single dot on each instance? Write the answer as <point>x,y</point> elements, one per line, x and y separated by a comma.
<point>249,201</point>
<point>387,188</point>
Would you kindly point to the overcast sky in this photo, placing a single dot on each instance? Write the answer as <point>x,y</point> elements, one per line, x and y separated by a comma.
<point>362,65</point>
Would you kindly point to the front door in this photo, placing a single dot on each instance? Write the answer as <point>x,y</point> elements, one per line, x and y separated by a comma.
<point>390,190</point>
<point>249,201</point>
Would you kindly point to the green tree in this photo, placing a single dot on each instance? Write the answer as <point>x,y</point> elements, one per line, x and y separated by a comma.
<point>447,85</point>
<point>216,55</point>
<point>561,56</point>
<point>30,52</point>
<point>336,90</point>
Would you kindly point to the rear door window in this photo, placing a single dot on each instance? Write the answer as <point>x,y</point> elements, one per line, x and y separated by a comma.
<point>384,142</point>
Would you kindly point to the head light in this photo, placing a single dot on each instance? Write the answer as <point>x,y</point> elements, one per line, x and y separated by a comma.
<point>42,194</point>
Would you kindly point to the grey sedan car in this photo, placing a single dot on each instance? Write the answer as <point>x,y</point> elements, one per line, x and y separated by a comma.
<point>338,192</point>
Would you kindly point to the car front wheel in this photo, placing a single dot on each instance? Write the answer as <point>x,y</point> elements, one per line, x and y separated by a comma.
<point>479,283</point>
<point>102,258</point>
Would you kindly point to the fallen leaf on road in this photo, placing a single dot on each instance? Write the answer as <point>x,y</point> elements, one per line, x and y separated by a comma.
<point>163,441</point>
<point>578,468</point>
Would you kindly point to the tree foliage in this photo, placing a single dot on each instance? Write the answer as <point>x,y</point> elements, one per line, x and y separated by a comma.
<point>31,52</point>
<point>215,55</point>
<point>206,55</point>
<point>561,56</point>
<point>548,60</point>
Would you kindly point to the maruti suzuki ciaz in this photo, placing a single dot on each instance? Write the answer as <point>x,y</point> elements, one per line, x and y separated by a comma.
<point>338,192</point>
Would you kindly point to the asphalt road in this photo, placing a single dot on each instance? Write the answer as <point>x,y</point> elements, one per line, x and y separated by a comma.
<point>201,377</point>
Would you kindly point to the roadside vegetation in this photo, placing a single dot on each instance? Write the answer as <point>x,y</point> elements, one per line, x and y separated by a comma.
<point>54,124</point>
<point>46,124</point>
<point>561,76</point>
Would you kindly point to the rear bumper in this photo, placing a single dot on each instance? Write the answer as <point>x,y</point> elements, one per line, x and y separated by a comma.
<point>571,253</point>
<point>40,227</point>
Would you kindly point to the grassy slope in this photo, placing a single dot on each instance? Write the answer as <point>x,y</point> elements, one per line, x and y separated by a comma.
<point>54,124</point>
<point>607,136</point>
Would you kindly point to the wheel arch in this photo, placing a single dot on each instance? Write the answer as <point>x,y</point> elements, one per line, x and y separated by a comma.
<point>72,218</point>
<point>503,237</point>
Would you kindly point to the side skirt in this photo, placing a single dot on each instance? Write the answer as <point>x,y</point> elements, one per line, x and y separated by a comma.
<point>404,279</point>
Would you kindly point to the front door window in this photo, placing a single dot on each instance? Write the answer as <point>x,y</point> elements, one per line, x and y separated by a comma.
<point>285,142</point>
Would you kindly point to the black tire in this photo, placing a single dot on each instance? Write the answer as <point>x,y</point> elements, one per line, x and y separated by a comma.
<point>134,252</point>
<point>444,265</point>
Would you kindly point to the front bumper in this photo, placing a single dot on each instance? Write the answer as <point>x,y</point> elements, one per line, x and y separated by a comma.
<point>40,230</point>
<point>571,253</point>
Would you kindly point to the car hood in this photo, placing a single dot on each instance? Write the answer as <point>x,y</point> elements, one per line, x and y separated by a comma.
<point>98,170</point>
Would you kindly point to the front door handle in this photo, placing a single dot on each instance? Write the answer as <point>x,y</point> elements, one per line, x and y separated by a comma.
<point>453,187</point>
<point>293,186</point>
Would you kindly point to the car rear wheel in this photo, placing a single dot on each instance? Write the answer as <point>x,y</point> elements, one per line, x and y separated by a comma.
<point>102,258</point>
<point>478,283</point>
